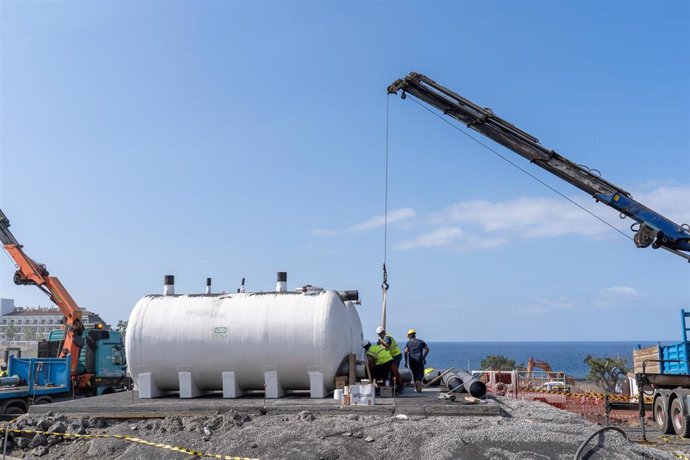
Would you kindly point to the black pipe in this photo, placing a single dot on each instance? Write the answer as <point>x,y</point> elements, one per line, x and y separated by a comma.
<point>348,295</point>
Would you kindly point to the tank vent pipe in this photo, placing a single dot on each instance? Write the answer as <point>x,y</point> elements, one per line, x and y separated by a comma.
<point>281,282</point>
<point>169,285</point>
<point>208,285</point>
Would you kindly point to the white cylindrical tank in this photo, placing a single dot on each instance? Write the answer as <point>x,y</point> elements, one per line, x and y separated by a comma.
<point>276,341</point>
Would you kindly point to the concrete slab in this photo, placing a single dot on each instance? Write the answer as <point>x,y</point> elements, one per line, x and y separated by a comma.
<point>128,405</point>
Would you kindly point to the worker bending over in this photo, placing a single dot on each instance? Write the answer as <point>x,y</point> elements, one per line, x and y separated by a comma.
<point>381,358</point>
<point>416,352</point>
<point>389,343</point>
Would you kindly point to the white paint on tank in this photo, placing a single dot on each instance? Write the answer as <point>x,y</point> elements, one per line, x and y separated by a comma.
<point>241,342</point>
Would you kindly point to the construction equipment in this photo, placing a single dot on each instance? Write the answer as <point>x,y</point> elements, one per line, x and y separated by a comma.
<point>94,357</point>
<point>651,228</point>
<point>30,272</point>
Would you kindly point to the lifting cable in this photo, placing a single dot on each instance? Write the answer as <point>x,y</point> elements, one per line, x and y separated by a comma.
<point>384,284</point>
<point>504,158</point>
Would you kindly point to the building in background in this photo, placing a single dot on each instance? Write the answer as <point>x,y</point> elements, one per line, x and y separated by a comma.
<point>33,324</point>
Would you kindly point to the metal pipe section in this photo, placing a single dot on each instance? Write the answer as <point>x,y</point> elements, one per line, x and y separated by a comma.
<point>169,285</point>
<point>281,282</point>
<point>346,296</point>
<point>208,285</point>
<point>9,381</point>
<point>459,381</point>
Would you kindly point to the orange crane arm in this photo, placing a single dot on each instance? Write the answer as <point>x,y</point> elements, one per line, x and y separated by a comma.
<point>29,272</point>
<point>536,364</point>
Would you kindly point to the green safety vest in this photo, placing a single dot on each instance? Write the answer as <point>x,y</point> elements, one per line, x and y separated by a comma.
<point>394,349</point>
<point>380,354</point>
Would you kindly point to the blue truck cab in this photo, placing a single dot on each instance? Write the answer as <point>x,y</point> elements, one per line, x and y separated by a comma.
<point>103,356</point>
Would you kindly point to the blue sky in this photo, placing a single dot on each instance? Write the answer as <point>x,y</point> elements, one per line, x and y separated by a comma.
<point>232,140</point>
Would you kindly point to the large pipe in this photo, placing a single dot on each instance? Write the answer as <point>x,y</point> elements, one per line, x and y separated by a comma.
<point>168,285</point>
<point>208,285</point>
<point>9,381</point>
<point>459,381</point>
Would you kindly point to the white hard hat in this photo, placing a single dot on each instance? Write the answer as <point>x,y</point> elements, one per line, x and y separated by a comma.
<point>380,329</point>
<point>3,365</point>
<point>365,342</point>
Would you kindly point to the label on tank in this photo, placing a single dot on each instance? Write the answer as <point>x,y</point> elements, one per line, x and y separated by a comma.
<point>220,330</point>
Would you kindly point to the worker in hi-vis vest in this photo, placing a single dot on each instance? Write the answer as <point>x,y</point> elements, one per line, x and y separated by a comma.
<point>389,343</point>
<point>382,360</point>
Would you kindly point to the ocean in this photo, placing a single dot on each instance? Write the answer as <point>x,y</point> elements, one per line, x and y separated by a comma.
<point>562,356</point>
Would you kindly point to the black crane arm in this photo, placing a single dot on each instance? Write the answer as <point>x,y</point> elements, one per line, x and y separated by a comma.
<point>654,229</point>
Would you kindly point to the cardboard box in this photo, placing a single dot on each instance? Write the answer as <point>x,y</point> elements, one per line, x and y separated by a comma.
<point>340,383</point>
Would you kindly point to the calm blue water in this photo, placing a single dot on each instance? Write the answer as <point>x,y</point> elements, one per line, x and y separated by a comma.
<point>563,356</point>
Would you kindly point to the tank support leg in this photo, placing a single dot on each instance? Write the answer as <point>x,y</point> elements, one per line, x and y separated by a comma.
<point>317,387</point>
<point>147,389</point>
<point>187,387</point>
<point>231,389</point>
<point>273,388</point>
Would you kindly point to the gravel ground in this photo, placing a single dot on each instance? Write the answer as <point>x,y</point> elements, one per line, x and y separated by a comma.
<point>528,430</point>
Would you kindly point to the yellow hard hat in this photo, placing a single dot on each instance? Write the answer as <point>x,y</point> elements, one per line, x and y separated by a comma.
<point>411,331</point>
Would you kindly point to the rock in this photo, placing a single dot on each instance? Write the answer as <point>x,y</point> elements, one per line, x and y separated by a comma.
<point>40,451</point>
<point>207,432</point>
<point>254,445</point>
<point>43,424</point>
<point>58,427</point>
<point>206,438</point>
<point>96,422</point>
<point>306,416</point>
<point>402,417</point>
<point>133,427</point>
<point>240,418</point>
<point>22,443</point>
<point>38,440</point>
<point>347,434</point>
<point>369,439</point>
<point>358,435</point>
<point>52,440</point>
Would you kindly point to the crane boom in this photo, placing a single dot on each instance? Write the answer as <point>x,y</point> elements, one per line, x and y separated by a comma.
<point>654,229</point>
<point>30,272</point>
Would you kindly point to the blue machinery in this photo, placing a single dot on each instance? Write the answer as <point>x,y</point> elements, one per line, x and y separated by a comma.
<point>651,228</point>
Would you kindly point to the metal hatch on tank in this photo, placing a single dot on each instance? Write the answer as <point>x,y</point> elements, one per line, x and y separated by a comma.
<point>275,341</point>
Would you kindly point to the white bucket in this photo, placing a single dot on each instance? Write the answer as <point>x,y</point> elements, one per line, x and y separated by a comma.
<point>338,394</point>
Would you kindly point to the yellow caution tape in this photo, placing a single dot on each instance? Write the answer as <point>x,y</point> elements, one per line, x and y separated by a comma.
<point>184,450</point>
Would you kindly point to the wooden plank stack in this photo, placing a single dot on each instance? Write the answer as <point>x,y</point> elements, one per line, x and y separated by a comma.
<point>646,354</point>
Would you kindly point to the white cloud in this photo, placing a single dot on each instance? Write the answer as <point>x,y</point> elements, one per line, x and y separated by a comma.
<point>449,237</point>
<point>378,221</point>
<point>672,202</point>
<point>622,291</point>
<point>549,217</point>
<point>544,305</point>
<point>618,296</point>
